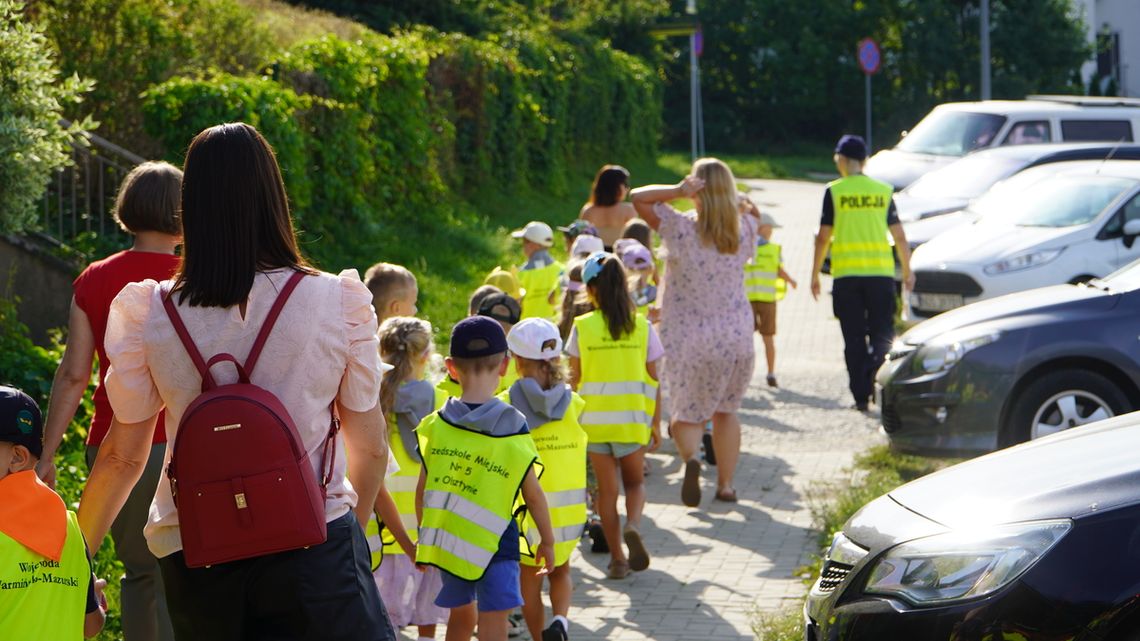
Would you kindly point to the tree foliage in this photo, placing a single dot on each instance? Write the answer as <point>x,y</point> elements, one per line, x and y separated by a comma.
<point>33,97</point>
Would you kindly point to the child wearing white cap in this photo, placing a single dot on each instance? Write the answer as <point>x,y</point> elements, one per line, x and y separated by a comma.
<point>552,411</point>
<point>540,276</point>
<point>766,282</point>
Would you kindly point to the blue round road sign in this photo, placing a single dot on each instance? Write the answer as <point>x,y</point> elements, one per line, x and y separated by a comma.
<point>869,56</point>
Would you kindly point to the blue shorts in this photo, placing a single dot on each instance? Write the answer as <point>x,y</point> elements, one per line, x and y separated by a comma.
<point>497,590</point>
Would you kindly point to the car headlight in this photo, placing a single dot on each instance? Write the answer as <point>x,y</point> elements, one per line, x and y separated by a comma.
<point>1022,261</point>
<point>944,354</point>
<point>963,565</point>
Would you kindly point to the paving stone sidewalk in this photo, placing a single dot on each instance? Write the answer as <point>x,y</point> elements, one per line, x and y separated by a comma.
<point>714,567</point>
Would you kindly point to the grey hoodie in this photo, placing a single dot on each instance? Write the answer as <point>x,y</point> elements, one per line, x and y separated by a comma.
<point>493,418</point>
<point>539,406</point>
<point>414,401</point>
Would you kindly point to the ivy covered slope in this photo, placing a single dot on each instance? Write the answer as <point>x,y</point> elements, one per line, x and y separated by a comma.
<point>392,147</point>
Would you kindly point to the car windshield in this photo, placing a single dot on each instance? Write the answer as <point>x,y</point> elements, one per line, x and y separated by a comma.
<point>967,178</point>
<point>952,133</point>
<point>1068,200</point>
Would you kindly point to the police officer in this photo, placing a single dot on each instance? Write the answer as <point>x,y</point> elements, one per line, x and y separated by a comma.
<point>858,219</point>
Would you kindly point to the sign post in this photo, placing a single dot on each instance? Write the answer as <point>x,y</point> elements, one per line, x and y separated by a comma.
<point>870,59</point>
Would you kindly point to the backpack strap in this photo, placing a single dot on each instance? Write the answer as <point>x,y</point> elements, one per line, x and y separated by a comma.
<point>270,320</point>
<point>167,294</point>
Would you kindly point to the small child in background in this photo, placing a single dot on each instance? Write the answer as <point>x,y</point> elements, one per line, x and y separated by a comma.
<point>541,275</point>
<point>613,363</point>
<point>638,262</point>
<point>571,232</point>
<point>765,282</point>
<point>406,398</point>
<point>49,590</point>
<point>585,246</point>
<point>506,282</point>
<point>478,551</point>
<point>574,300</point>
<point>551,410</point>
<point>477,296</point>
<point>640,231</point>
<point>394,290</point>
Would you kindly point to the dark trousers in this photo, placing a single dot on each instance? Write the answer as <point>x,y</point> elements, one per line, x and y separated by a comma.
<point>325,593</point>
<point>865,307</point>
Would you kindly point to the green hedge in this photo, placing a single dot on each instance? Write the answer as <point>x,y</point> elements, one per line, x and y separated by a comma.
<point>385,136</point>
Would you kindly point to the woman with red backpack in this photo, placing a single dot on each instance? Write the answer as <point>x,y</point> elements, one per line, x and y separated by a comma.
<point>258,359</point>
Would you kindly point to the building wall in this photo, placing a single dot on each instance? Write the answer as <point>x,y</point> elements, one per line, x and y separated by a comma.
<point>1123,17</point>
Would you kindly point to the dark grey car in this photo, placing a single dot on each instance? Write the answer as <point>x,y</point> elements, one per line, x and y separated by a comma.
<point>1014,368</point>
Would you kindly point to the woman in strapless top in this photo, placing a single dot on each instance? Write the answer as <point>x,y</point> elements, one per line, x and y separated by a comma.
<point>607,209</point>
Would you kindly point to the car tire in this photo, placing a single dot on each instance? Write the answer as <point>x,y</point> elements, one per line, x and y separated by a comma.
<point>1059,400</point>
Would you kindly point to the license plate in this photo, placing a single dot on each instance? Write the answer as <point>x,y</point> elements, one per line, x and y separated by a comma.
<point>936,302</point>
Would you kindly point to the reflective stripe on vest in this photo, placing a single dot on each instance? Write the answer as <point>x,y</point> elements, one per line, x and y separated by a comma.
<point>43,599</point>
<point>860,243</point>
<point>539,283</point>
<point>561,445</point>
<point>620,396</point>
<point>472,482</point>
<point>762,280</point>
<point>402,487</point>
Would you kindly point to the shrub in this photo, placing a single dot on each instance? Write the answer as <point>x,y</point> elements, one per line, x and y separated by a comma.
<point>32,98</point>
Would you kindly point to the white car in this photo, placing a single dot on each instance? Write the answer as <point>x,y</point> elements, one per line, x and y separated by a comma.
<point>1078,223</point>
<point>955,129</point>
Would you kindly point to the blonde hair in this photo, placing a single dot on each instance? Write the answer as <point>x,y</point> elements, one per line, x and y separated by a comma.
<point>387,282</point>
<point>403,340</point>
<point>549,373</point>
<point>718,219</point>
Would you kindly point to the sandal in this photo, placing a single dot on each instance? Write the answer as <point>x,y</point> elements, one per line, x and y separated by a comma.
<point>617,569</point>
<point>691,486</point>
<point>638,555</point>
<point>727,495</point>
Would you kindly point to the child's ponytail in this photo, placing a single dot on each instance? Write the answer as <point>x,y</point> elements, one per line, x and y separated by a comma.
<point>606,282</point>
<point>402,340</point>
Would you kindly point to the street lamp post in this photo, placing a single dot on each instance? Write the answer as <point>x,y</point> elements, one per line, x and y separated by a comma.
<point>985,35</point>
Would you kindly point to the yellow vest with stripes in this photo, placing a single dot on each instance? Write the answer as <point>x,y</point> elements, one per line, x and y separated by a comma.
<point>762,280</point>
<point>860,244</point>
<point>402,487</point>
<point>473,480</point>
<point>539,283</point>
<point>41,600</point>
<point>619,393</point>
<point>561,445</point>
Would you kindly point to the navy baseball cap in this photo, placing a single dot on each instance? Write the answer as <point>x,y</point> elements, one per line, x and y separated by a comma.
<point>476,337</point>
<point>852,146</point>
<point>20,420</point>
<point>500,307</point>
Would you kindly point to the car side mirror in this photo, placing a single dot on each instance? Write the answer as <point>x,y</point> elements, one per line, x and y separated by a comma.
<point>1131,231</point>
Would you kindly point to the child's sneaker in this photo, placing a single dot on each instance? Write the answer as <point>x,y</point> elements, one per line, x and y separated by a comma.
<point>556,632</point>
<point>772,381</point>
<point>710,453</point>
<point>597,538</point>
<point>514,625</point>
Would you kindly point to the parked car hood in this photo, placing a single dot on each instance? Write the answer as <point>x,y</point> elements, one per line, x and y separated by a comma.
<point>912,208</point>
<point>901,168</point>
<point>1070,474</point>
<point>986,241</point>
<point>1031,304</point>
<point>919,232</point>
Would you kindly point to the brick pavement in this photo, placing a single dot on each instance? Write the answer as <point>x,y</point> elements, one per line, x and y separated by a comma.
<point>715,566</point>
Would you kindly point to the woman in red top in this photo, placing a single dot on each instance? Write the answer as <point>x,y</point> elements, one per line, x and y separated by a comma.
<point>147,207</point>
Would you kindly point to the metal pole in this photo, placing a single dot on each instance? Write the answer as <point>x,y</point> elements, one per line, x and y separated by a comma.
<point>700,116</point>
<point>985,49</point>
<point>693,93</point>
<point>867,84</point>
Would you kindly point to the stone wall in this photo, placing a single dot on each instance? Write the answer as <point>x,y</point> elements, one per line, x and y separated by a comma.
<point>41,282</point>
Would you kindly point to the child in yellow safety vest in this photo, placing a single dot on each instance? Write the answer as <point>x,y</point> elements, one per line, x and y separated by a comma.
<point>765,282</point>
<point>541,275</point>
<point>551,409</point>
<point>478,457</point>
<point>47,590</point>
<point>613,363</point>
<point>406,398</point>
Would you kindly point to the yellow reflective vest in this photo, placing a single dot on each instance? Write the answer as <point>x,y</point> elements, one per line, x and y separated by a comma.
<point>762,280</point>
<point>540,283</point>
<point>473,480</point>
<point>40,599</point>
<point>619,393</point>
<point>561,445</point>
<point>402,487</point>
<point>860,243</point>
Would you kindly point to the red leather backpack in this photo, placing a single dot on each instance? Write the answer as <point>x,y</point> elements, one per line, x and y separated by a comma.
<point>239,474</point>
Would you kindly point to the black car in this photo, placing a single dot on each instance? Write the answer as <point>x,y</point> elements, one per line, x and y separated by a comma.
<point>1010,369</point>
<point>1039,542</point>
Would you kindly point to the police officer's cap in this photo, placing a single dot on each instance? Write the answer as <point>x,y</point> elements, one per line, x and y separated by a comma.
<point>852,146</point>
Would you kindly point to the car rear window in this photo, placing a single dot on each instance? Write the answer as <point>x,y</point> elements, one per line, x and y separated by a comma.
<point>1096,130</point>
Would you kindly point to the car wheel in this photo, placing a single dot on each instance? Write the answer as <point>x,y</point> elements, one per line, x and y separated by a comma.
<point>1059,400</point>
